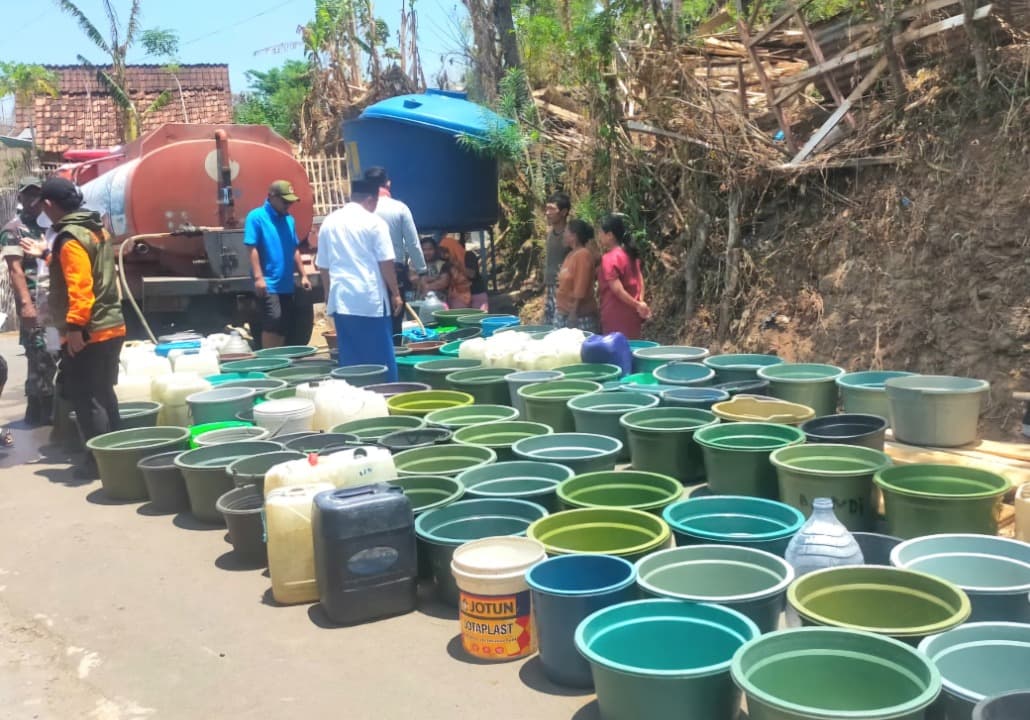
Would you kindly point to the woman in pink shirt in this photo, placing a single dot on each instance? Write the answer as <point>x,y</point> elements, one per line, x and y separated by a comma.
<point>620,281</point>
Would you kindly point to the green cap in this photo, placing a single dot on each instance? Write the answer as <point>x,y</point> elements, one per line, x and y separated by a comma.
<point>29,181</point>
<point>283,189</point>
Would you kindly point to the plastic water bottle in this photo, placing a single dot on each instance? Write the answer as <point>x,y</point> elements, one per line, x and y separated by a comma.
<point>430,305</point>
<point>823,542</point>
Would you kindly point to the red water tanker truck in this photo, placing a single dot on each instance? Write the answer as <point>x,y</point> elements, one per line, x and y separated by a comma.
<point>175,201</point>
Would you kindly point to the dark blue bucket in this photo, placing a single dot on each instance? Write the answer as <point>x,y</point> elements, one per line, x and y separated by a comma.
<point>699,398</point>
<point>566,589</point>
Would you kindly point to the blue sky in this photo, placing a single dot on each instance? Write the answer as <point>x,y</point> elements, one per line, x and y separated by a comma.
<point>211,31</point>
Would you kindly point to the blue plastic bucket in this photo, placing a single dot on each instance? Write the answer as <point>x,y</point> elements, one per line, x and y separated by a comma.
<point>491,325</point>
<point>750,522</point>
<point>692,397</point>
<point>565,590</point>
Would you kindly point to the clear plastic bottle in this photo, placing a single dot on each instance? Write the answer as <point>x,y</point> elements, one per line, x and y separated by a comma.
<point>823,542</point>
<point>430,305</point>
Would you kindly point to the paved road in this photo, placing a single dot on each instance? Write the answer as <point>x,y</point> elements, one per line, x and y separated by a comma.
<point>110,613</point>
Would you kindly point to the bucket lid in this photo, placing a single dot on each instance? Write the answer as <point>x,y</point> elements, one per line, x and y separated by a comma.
<point>497,557</point>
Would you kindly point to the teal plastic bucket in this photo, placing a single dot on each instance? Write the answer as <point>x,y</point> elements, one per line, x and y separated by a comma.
<point>361,375</point>
<point>936,410</point>
<point>428,492</point>
<point>580,451</point>
<point>565,590</point>
<point>734,520</point>
<point>598,372</point>
<point>373,429</point>
<point>458,417</point>
<point>434,372</point>
<point>635,345</point>
<point>289,352</point>
<point>834,674</point>
<point>620,488</point>
<point>736,456</point>
<point>922,499</point>
<point>219,405</point>
<point>661,440</point>
<point>993,571</point>
<point>865,393</point>
<point>739,367</point>
<point>649,359</point>
<point>683,373</point>
<point>547,402</point>
<point>499,436</point>
<point>225,377</point>
<point>977,661</point>
<point>752,582</point>
<point>447,460</point>
<point>664,659</point>
<point>260,386</point>
<point>518,479</point>
<point>810,384</point>
<point>599,413</point>
<point>486,385</point>
<point>522,378</point>
<point>694,397</point>
<point>443,529</point>
<point>259,365</point>
<point>843,473</point>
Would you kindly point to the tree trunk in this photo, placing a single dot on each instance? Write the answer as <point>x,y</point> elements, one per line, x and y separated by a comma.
<point>732,276</point>
<point>505,28</point>
<point>690,272</point>
<point>486,66</point>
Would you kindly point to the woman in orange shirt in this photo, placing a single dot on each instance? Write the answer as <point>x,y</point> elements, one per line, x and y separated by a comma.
<point>576,305</point>
<point>459,294</point>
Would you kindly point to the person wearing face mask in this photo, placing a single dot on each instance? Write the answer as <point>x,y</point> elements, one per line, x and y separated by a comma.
<point>85,308</point>
<point>29,277</point>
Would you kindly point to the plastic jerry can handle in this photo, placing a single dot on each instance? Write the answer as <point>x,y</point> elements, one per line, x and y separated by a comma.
<point>376,489</point>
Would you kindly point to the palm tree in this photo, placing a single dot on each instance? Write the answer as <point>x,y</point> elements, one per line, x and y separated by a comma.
<point>116,47</point>
<point>25,82</point>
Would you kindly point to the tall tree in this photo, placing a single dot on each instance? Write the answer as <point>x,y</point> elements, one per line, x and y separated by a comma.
<point>25,82</point>
<point>275,98</point>
<point>116,47</point>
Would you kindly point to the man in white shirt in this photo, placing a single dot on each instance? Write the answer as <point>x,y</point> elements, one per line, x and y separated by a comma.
<point>355,258</point>
<point>403,235</point>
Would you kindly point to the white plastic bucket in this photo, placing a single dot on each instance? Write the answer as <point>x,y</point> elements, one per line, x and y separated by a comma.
<point>287,415</point>
<point>494,611</point>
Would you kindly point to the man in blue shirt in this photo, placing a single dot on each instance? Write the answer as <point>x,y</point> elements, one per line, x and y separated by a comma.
<point>272,238</point>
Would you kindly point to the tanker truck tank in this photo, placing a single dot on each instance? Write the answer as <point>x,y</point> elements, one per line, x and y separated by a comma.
<point>179,196</point>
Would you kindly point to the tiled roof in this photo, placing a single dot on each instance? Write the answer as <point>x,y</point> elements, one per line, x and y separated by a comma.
<point>84,115</point>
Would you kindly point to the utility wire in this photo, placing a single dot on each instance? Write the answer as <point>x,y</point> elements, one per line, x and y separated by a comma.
<point>240,22</point>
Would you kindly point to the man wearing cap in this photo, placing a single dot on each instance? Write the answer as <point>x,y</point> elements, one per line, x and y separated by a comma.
<point>29,277</point>
<point>356,258</point>
<point>85,308</point>
<point>403,235</point>
<point>271,235</point>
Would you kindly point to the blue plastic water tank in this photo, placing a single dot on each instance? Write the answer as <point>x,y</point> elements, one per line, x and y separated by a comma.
<point>415,137</point>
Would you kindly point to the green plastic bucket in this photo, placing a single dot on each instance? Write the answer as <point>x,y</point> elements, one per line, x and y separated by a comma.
<point>600,413</point>
<point>936,410</point>
<point>373,429</point>
<point>833,674</point>
<point>993,571</point>
<point>476,318</point>
<point>739,367</point>
<point>225,377</point>
<point>752,582</point>
<point>580,451</point>
<point>198,430</point>
<point>902,604</point>
<point>434,372</point>
<point>620,488</point>
<point>252,470</point>
<point>810,384</point>
<point>664,659</point>
<point>446,460</point>
<point>977,661</point>
<point>428,492</point>
<point>499,436</point>
<point>138,414</point>
<point>486,385</point>
<point>865,393</point>
<point>261,365</point>
<point>119,453</point>
<point>422,402</point>
<point>630,534</point>
<point>220,404</point>
<point>449,318</point>
<point>926,499</point>
<point>683,374</point>
<point>734,520</point>
<point>361,375</point>
<point>841,472</point>
<point>661,440</point>
<point>598,372</point>
<point>205,471</point>
<point>288,352</point>
<point>518,479</point>
<point>260,386</point>
<point>649,359</point>
<point>737,456</point>
<point>522,378</point>
<point>295,375</point>
<point>459,417</point>
<point>443,529</point>
<point>547,402</point>
<point>290,391</point>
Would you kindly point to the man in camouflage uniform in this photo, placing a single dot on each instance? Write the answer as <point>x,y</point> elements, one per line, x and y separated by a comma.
<point>29,276</point>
